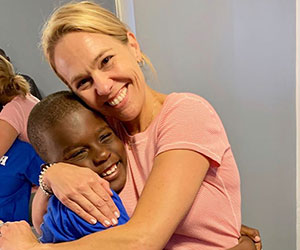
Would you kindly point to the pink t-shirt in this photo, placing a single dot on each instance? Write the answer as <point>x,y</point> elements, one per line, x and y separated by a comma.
<point>188,121</point>
<point>16,113</point>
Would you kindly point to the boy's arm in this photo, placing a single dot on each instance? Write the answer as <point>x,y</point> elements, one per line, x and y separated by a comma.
<point>62,225</point>
<point>39,208</point>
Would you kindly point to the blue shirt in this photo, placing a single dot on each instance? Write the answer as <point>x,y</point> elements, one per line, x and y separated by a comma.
<point>61,224</point>
<point>19,169</point>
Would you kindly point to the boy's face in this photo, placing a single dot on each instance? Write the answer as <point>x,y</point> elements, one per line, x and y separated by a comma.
<point>86,140</point>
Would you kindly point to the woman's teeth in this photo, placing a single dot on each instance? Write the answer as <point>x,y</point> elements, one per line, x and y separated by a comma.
<point>109,171</point>
<point>118,98</point>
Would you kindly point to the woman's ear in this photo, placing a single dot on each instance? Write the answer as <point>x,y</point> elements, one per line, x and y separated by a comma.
<point>134,46</point>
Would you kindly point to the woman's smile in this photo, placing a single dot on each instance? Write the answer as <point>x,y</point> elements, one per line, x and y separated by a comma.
<point>107,77</point>
<point>118,99</point>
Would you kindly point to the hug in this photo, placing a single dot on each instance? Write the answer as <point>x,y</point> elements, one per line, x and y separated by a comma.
<point>126,167</point>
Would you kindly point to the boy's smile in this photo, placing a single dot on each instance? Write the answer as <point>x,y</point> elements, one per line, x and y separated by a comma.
<point>83,138</point>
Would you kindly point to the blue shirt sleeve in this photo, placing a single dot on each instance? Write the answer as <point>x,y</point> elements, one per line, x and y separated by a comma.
<point>61,224</point>
<point>33,168</point>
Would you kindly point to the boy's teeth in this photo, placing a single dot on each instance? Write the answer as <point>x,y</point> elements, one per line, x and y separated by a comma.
<point>118,98</point>
<point>110,171</point>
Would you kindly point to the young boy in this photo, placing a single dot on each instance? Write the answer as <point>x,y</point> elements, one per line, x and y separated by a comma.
<point>62,129</point>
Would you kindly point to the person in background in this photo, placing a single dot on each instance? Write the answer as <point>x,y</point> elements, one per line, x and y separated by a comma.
<point>19,169</point>
<point>17,103</point>
<point>33,88</point>
<point>180,161</point>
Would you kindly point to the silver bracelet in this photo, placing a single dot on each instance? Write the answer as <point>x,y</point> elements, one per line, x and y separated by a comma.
<point>47,190</point>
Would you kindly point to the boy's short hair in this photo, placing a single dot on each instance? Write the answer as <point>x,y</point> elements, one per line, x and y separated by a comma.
<point>46,114</point>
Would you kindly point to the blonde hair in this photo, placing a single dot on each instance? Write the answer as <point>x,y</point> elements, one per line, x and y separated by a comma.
<point>84,16</point>
<point>11,84</point>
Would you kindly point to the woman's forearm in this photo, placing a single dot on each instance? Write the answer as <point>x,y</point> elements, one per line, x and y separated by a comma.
<point>166,199</point>
<point>120,237</point>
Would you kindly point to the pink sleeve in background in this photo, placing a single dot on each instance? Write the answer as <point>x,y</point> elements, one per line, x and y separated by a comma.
<point>16,113</point>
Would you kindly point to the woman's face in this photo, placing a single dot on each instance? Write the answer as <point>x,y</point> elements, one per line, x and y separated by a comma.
<point>103,72</point>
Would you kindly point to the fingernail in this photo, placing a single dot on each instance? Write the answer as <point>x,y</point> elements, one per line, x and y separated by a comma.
<point>114,221</point>
<point>93,221</point>
<point>257,238</point>
<point>117,214</point>
<point>107,222</point>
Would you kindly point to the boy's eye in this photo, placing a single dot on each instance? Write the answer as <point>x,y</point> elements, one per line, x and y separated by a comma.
<point>105,60</point>
<point>105,137</point>
<point>77,155</point>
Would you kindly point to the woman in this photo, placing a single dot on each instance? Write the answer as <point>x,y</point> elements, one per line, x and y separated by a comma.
<point>182,190</point>
<point>17,103</point>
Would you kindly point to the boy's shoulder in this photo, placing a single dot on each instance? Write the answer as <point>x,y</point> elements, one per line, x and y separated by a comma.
<point>62,224</point>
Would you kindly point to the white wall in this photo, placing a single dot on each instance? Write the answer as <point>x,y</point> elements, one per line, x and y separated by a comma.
<point>298,119</point>
<point>240,55</point>
<point>20,26</point>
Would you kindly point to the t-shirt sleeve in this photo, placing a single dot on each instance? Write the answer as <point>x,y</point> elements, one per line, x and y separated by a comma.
<point>14,115</point>
<point>33,168</point>
<point>190,122</point>
<point>61,224</point>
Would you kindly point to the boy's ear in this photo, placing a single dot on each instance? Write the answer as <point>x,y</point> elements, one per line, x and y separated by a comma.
<point>134,46</point>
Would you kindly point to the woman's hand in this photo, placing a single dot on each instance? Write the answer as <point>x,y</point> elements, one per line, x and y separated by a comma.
<point>253,234</point>
<point>84,192</point>
<point>17,236</point>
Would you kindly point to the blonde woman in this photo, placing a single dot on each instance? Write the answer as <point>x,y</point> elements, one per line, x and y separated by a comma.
<point>183,187</point>
<point>17,103</point>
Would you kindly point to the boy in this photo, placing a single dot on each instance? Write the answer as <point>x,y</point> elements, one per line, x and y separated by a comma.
<point>62,129</point>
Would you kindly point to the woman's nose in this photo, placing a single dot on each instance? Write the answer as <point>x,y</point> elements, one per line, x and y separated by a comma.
<point>103,85</point>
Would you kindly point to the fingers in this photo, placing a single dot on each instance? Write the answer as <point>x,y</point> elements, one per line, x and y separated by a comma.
<point>258,246</point>
<point>90,198</point>
<point>91,208</point>
<point>17,236</point>
<point>253,234</point>
<point>113,209</point>
<point>99,206</point>
<point>1,225</point>
<point>4,225</point>
<point>106,186</point>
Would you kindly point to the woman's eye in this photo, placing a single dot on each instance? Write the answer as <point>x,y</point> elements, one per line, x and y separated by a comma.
<point>106,60</point>
<point>83,83</point>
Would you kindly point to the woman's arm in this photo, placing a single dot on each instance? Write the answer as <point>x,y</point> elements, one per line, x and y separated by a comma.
<point>168,195</point>
<point>8,135</point>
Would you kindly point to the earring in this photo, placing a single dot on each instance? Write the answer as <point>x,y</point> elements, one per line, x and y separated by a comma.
<point>141,63</point>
